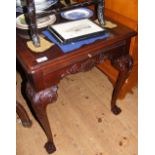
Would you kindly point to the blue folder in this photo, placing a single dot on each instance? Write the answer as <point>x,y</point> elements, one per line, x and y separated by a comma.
<point>74,45</point>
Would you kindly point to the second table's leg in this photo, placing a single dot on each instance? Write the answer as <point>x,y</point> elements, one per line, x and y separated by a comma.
<point>124,65</point>
<point>67,1</point>
<point>23,115</point>
<point>39,103</point>
<point>100,12</point>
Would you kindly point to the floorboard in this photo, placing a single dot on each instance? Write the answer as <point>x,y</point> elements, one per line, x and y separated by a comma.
<point>81,120</point>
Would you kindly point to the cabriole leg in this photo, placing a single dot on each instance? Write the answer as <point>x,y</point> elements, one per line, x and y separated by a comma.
<point>39,103</point>
<point>124,65</point>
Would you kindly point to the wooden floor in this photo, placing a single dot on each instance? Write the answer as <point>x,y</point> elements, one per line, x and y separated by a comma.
<point>81,120</point>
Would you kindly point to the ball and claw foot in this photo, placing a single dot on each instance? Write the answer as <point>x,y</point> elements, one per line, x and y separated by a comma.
<point>27,124</point>
<point>116,110</point>
<point>50,147</point>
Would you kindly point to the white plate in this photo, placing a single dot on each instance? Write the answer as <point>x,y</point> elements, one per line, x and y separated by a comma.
<point>23,2</point>
<point>38,6</point>
<point>41,22</point>
<point>76,14</point>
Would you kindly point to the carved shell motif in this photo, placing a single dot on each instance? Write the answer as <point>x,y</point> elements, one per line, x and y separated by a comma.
<point>80,67</point>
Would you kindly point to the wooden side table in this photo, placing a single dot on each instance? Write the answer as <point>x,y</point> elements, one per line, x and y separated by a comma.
<point>43,78</point>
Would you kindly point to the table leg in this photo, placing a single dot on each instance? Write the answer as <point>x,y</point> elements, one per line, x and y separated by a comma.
<point>67,1</point>
<point>39,101</point>
<point>100,12</point>
<point>23,115</point>
<point>124,65</point>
